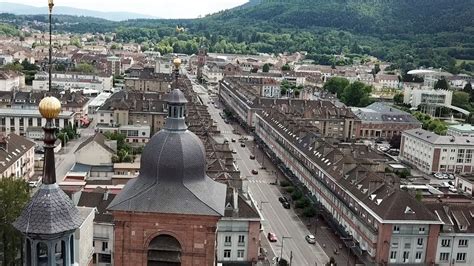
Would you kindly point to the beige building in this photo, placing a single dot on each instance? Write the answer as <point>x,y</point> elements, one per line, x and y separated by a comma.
<point>147,80</point>
<point>96,150</point>
<point>17,156</point>
<point>11,80</point>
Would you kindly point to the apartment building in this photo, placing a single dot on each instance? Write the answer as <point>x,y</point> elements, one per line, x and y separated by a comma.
<point>72,80</point>
<point>11,80</point>
<point>433,153</point>
<point>136,135</point>
<point>384,223</point>
<point>19,120</point>
<point>421,95</point>
<point>125,108</point>
<point>380,120</point>
<point>17,156</point>
<point>148,80</point>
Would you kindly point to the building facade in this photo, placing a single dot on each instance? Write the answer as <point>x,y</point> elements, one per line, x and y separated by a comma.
<point>433,153</point>
<point>17,156</point>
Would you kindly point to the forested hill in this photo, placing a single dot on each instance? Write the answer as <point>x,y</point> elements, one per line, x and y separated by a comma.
<point>363,16</point>
<point>409,33</point>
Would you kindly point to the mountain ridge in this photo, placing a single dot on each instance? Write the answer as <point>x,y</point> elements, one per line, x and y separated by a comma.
<point>20,9</point>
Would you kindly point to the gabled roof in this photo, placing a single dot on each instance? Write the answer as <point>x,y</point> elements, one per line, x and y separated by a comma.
<point>100,198</point>
<point>16,146</point>
<point>99,139</point>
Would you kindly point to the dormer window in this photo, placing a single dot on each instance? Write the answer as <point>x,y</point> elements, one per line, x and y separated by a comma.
<point>408,210</point>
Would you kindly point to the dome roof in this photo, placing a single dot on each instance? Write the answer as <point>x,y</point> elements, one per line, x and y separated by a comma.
<point>173,172</point>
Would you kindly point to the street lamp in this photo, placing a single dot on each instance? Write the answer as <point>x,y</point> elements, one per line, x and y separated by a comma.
<point>282,240</point>
<point>50,6</point>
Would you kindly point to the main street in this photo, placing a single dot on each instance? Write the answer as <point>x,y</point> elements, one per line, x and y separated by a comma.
<point>284,223</point>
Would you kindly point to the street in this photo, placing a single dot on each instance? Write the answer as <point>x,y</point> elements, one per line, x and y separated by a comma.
<point>287,226</point>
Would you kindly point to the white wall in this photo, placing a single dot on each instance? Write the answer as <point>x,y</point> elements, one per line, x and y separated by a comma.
<point>453,249</point>
<point>93,154</point>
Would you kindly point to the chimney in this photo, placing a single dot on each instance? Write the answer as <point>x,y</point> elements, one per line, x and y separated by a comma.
<point>3,143</point>
<point>106,194</point>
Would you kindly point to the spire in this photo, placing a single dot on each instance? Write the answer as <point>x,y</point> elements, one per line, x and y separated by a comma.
<point>176,103</point>
<point>49,107</point>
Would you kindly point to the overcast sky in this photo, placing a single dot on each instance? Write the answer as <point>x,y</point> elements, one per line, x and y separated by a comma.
<point>157,8</point>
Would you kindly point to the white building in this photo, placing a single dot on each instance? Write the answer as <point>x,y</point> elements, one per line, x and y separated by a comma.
<point>18,120</point>
<point>17,156</point>
<point>98,102</point>
<point>463,130</point>
<point>67,81</point>
<point>11,80</point>
<point>387,81</point>
<point>134,134</point>
<point>163,67</point>
<point>271,89</point>
<point>212,73</point>
<point>433,153</point>
<point>417,96</point>
<point>83,237</point>
<point>96,150</point>
<point>430,76</point>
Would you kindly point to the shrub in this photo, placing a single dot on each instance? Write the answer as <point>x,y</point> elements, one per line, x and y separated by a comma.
<point>284,183</point>
<point>290,189</point>
<point>296,195</point>
<point>309,211</point>
<point>302,203</point>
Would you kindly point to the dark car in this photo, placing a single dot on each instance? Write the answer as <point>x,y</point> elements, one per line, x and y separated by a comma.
<point>233,140</point>
<point>242,145</point>
<point>286,205</point>
<point>252,157</point>
<point>255,171</point>
<point>282,199</point>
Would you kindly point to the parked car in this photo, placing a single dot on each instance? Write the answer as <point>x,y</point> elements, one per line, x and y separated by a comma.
<point>234,152</point>
<point>254,171</point>
<point>252,157</point>
<point>310,239</point>
<point>233,140</point>
<point>272,237</point>
<point>286,205</point>
<point>438,175</point>
<point>242,145</point>
<point>282,199</point>
<point>453,189</point>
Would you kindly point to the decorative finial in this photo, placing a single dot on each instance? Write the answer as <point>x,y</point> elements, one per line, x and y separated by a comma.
<point>50,107</point>
<point>50,5</point>
<point>177,62</point>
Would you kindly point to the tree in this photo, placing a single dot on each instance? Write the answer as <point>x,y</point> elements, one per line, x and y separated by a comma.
<point>376,69</point>
<point>461,99</point>
<point>286,67</point>
<point>395,141</point>
<point>398,98</point>
<point>356,94</point>
<point>266,68</point>
<point>85,68</point>
<point>468,88</point>
<point>336,85</point>
<point>441,84</point>
<point>14,195</point>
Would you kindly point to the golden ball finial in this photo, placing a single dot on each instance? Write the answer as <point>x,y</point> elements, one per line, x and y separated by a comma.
<point>177,62</point>
<point>50,107</point>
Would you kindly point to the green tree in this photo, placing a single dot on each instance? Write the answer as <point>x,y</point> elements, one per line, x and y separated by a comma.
<point>468,89</point>
<point>461,99</point>
<point>85,68</point>
<point>286,67</point>
<point>14,195</point>
<point>336,85</point>
<point>441,84</point>
<point>356,94</point>
<point>15,66</point>
<point>398,98</point>
<point>266,68</point>
<point>376,69</point>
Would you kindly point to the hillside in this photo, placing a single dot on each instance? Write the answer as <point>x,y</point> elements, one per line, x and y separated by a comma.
<point>19,9</point>
<point>409,33</point>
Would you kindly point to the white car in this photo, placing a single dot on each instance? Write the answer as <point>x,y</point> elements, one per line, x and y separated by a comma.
<point>453,189</point>
<point>438,175</point>
<point>310,239</point>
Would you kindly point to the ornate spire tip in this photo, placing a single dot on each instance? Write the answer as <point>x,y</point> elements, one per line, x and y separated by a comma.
<point>50,107</point>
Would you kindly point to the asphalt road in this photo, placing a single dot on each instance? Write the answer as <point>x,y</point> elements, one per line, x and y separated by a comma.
<point>284,223</point>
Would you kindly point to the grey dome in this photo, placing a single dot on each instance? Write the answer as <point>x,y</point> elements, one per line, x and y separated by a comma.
<point>172,175</point>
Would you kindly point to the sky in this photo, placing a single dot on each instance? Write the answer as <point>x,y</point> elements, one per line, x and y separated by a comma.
<point>157,8</point>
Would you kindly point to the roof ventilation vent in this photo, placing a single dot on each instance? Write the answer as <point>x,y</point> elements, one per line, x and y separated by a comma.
<point>408,210</point>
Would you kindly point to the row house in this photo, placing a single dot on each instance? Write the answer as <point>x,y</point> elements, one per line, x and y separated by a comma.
<point>387,81</point>
<point>11,80</point>
<point>147,80</point>
<point>384,223</point>
<point>432,153</point>
<point>17,155</point>
<point>71,80</point>
<point>380,120</point>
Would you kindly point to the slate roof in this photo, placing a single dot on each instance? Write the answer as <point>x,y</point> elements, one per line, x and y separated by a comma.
<point>455,216</point>
<point>433,138</point>
<point>99,139</point>
<point>49,212</point>
<point>172,177</point>
<point>16,146</point>
<point>96,199</point>
<point>135,102</point>
<point>382,113</point>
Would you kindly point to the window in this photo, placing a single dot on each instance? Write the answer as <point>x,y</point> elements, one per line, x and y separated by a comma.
<point>407,245</point>
<point>227,241</point>
<point>443,256</point>
<point>445,242</point>
<point>463,242</point>
<point>394,244</point>
<point>420,242</point>
<point>461,257</point>
<point>445,150</point>
<point>241,240</point>
<point>226,253</point>
<point>418,255</point>
<point>406,256</point>
<point>421,230</point>
<point>393,255</point>
<point>105,246</point>
<point>396,229</point>
<point>240,253</point>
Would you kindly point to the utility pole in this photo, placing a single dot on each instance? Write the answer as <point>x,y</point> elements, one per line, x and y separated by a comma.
<point>50,7</point>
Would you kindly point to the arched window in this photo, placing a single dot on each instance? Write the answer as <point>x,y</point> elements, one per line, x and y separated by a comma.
<point>42,254</point>
<point>164,250</point>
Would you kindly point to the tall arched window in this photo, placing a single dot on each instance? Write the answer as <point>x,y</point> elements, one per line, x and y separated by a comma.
<point>164,250</point>
<point>42,254</point>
